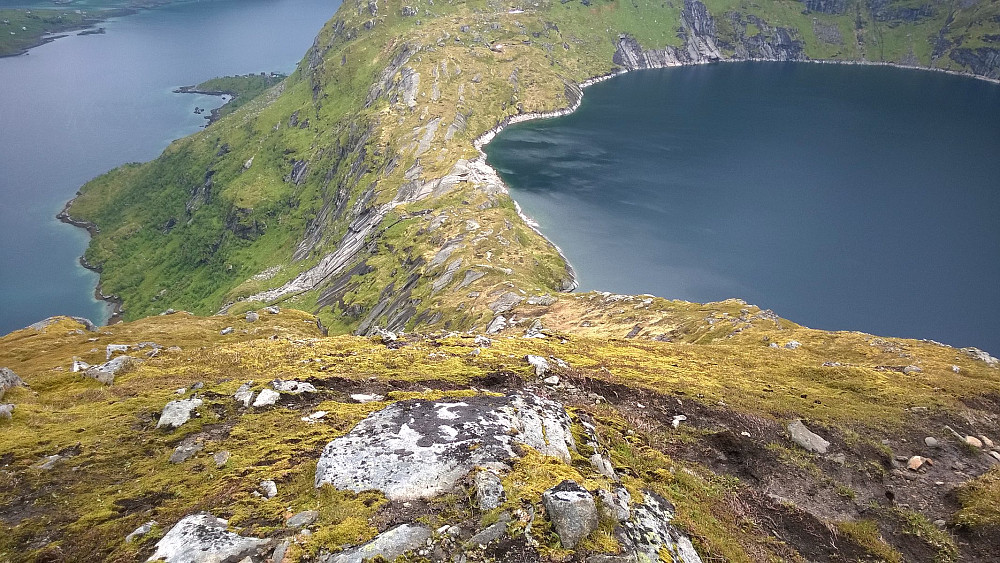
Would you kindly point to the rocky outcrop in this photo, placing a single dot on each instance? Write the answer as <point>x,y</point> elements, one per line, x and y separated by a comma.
<point>420,449</point>
<point>885,11</point>
<point>106,372</point>
<point>388,545</point>
<point>984,61</point>
<point>649,532</point>
<point>826,6</point>
<point>9,380</point>
<point>203,538</point>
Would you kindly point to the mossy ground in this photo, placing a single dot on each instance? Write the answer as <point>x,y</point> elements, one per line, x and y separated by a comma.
<point>115,475</point>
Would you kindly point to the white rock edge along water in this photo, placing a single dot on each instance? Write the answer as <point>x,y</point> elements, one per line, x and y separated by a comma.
<point>419,449</point>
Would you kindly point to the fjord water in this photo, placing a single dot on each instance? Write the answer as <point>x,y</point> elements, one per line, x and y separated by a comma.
<point>841,197</point>
<point>81,105</point>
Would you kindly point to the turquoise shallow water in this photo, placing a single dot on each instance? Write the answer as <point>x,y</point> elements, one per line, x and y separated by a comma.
<point>77,107</point>
<point>841,197</point>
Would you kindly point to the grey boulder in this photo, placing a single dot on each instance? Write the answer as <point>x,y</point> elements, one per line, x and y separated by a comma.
<point>649,532</point>
<point>489,490</point>
<point>176,413</point>
<point>106,372</point>
<point>266,398</point>
<point>389,545</point>
<point>203,538</point>
<point>302,519</point>
<point>806,438</point>
<point>6,411</point>
<point>572,510</point>
<point>9,380</point>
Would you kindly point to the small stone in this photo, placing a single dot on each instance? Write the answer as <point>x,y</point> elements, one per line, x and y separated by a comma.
<point>244,394</point>
<point>572,510</point>
<point>252,317</point>
<point>915,463</point>
<point>187,448</point>
<point>793,344</point>
<point>678,419</point>
<point>931,442</point>
<point>302,519</point>
<point>293,387</point>
<point>973,441</point>
<point>366,398</point>
<point>489,490</point>
<point>266,398</point>
<point>551,380</point>
<point>540,364</point>
<point>221,458</point>
<point>912,369</point>
<point>955,369</point>
<point>112,348</point>
<point>806,438</point>
<point>272,310</point>
<point>490,533</point>
<point>227,330</point>
<point>140,531</point>
<point>268,488</point>
<point>176,413</point>
<point>48,462</point>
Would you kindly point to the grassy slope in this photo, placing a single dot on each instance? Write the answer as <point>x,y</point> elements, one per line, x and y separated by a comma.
<point>354,142</point>
<point>25,28</point>
<point>719,370</point>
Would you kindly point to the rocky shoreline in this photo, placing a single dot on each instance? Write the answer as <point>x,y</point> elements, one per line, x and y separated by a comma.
<point>114,302</point>
<point>214,114</point>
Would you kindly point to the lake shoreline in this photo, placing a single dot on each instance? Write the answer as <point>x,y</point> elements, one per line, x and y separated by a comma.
<point>481,141</point>
<point>214,114</point>
<point>113,301</point>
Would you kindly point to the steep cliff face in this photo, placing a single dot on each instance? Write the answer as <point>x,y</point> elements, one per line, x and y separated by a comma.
<point>984,61</point>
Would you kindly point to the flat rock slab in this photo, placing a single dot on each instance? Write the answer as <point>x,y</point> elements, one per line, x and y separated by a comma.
<point>806,438</point>
<point>389,545</point>
<point>176,413</point>
<point>419,449</point>
<point>203,538</point>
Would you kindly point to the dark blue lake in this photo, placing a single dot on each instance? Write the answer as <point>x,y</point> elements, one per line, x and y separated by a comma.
<point>77,107</point>
<point>841,197</point>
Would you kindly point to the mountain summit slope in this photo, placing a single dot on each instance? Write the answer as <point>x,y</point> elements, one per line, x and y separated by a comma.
<point>355,188</point>
<point>595,427</point>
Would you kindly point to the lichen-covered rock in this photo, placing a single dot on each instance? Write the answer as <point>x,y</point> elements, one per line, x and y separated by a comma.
<point>302,519</point>
<point>489,490</point>
<point>389,545</point>
<point>203,538</point>
<point>176,413</point>
<point>506,302</point>
<point>269,488</point>
<point>419,449</point>
<point>112,349</point>
<point>540,364</point>
<point>106,372</point>
<point>6,411</point>
<point>649,531</point>
<point>496,325</point>
<point>807,438</point>
<point>9,380</point>
<point>252,317</point>
<point>490,533</point>
<point>572,510</point>
<point>615,503</point>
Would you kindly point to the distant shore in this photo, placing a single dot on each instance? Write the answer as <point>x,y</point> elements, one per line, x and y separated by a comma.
<point>115,302</point>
